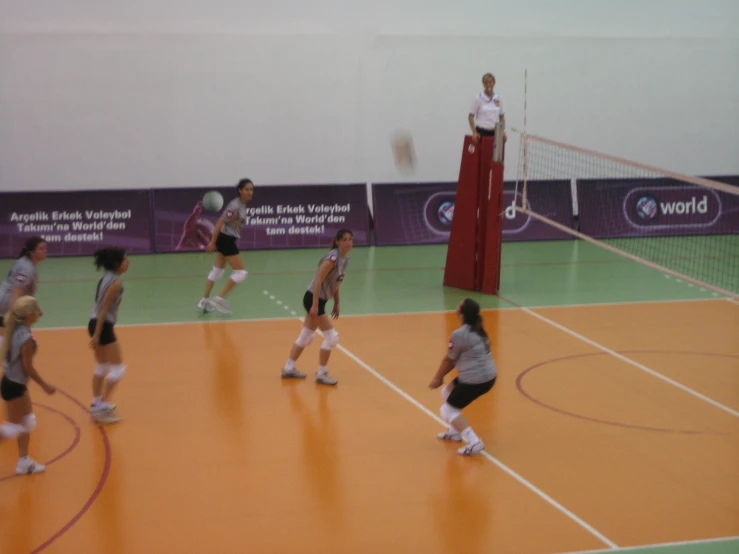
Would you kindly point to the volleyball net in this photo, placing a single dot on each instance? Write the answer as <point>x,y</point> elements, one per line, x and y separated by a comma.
<point>686,227</point>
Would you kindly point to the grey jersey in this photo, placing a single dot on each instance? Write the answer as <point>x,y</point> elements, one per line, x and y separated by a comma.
<point>22,275</point>
<point>106,280</point>
<point>13,363</point>
<point>472,357</point>
<point>331,283</point>
<point>234,218</point>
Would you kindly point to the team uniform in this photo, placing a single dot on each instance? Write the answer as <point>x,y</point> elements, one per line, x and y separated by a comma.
<point>330,284</point>
<point>107,336</point>
<point>14,385</point>
<point>22,275</point>
<point>328,289</point>
<point>475,367</point>
<point>476,376</point>
<point>15,378</point>
<point>234,218</point>
<point>487,112</point>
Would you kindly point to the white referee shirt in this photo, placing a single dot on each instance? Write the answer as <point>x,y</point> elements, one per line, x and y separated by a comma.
<point>486,111</point>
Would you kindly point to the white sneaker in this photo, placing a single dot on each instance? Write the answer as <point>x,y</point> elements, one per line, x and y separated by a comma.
<point>105,413</point>
<point>325,379</point>
<point>449,435</point>
<point>292,373</point>
<point>27,466</point>
<point>205,305</point>
<point>221,305</point>
<point>471,449</point>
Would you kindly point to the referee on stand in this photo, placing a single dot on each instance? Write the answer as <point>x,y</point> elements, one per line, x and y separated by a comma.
<point>486,110</point>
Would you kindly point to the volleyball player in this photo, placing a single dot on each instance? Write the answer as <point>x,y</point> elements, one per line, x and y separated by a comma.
<point>469,351</point>
<point>486,110</point>
<point>324,286</point>
<point>225,236</point>
<point>22,277</point>
<point>109,369</point>
<point>17,353</point>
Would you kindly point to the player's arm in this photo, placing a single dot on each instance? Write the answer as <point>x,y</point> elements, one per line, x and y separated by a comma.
<point>27,359</point>
<point>326,266</point>
<point>113,289</point>
<point>15,293</point>
<point>447,363</point>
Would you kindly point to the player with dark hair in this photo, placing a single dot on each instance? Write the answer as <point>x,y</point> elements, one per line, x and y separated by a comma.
<point>469,352</point>
<point>17,353</point>
<point>224,243</point>
<point>104,314</point>
<point>22,277</point>
<point>324,286</point>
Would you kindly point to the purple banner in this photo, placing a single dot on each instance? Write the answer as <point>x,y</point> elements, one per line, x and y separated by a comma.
<point>421,213</point>
<point>295,216</point>
<point>75,223</point>
<point>654,207</point>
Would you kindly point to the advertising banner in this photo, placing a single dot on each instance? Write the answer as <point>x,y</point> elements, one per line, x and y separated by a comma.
<point>654,207</point>
<point>295,216</point>
<point>75,223</point>
<point>421,213</point>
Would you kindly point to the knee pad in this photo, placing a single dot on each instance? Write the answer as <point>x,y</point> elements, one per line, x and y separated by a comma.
<point>449,413</point>
<point>101,370</point>
<point>447,390</point>
<point>305,337</point>
<point>238,275</point>
<point>215,274</point>
<point>116,372</point>
<point>331,339</point>
<point>29,423</point>
<point>11,430</point>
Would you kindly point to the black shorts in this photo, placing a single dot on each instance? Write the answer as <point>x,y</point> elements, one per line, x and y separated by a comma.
<point>485,132</point>
<point>226,245</point>
<point>107,336</point>
<point>10,390</point>
<point>463,394</point>
<point>308,303</point>
<point>2,321</point>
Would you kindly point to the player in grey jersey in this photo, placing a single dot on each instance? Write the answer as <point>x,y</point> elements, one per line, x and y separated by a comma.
<point>469,352</point>
<point>17,354</point>
<point>324,286</point>
<point>109,367</point>
<point>224,243</point>
<point>22,277</point>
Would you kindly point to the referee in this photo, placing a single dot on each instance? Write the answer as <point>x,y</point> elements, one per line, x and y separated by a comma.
<point>486,110</point>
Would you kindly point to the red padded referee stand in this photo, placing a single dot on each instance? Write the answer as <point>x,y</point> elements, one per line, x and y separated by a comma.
<point>473,252</point>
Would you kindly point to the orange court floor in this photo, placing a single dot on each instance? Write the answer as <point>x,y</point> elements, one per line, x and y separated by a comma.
<point>611,426</point>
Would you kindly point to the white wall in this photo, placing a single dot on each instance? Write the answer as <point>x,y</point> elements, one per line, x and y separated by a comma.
<point>172,93</point>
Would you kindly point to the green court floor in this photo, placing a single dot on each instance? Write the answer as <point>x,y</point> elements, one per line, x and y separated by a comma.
<point>165,288</point>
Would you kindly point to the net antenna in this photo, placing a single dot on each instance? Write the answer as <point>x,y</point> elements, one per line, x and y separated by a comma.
<point>683,226</point>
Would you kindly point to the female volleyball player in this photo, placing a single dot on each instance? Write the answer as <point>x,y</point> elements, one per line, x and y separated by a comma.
<point>103,316</point>
<point>324,286</point>
<point>225,236</point>
<point>486,110</point>
<point>17,352</point>
<point>469,351</point>
<point>22,277</point>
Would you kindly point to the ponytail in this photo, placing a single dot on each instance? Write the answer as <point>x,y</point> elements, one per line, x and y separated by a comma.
<point>470,311</point>
<point>22,307</point>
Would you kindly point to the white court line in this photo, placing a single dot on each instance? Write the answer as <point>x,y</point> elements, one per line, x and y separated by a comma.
<point>385,314</point>
<point>655,546</point>
<point>541,494</point>
<point>632,362</point>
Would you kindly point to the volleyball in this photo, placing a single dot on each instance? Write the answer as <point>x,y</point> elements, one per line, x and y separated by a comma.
<point>213,201</point>
<point>403,151</point>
